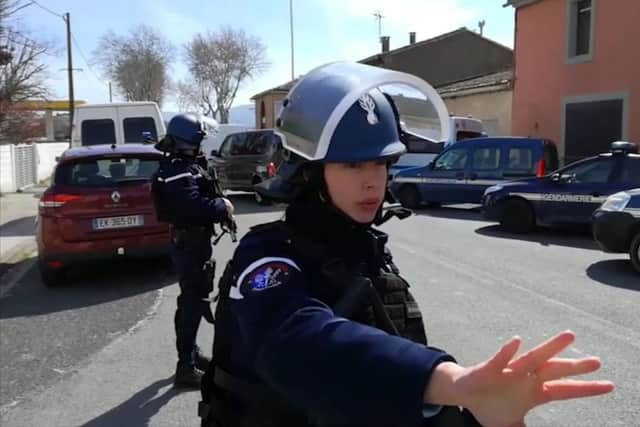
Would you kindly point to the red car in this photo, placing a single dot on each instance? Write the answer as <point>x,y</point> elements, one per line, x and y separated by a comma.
<point>99,206</point>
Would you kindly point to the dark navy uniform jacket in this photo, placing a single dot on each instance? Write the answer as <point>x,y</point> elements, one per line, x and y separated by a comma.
<point>342,371</point>
<point>186,194</point>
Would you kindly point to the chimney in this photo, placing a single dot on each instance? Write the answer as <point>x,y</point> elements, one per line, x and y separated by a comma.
<point>412,37</point>
<point>385,43</point>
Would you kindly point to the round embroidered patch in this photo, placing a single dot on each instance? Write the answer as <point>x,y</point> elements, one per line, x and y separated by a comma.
<point>268,275</point>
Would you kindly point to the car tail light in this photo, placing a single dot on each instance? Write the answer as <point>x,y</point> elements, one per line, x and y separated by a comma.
<point>271,170</point>
<point>541,170</point>
<point>56,200</point>
<point>56,265</point>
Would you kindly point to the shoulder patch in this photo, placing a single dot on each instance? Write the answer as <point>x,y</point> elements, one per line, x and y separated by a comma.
<point>263,274</point>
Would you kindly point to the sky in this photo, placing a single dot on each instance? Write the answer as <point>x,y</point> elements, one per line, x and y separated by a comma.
<point>324,31</point>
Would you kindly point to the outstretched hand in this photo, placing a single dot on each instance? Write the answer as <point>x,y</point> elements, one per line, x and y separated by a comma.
<point>500,391</point>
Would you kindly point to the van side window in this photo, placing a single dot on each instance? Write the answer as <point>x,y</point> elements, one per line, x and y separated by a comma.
<point>98,131</point>
<point>454,159</point>
<point>134,127</point>
<point>520,159</point>
<point>486,158</point>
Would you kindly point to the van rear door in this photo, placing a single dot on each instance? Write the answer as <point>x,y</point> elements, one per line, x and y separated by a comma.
<point>95,125</point>
<point>138,120</point>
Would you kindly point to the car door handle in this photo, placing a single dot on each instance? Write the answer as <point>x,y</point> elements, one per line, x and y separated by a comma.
<point>460,176</point>
<point>596,194</point>
<point>473,176</point>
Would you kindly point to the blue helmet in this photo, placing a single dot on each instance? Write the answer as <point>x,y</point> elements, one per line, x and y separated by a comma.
<point>350,112</point>
<point>186,131</point>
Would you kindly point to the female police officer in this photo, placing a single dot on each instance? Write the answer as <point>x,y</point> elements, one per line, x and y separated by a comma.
<point>313,324</point>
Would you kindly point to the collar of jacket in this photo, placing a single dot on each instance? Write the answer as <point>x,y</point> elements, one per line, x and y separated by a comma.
<point>342,236</point>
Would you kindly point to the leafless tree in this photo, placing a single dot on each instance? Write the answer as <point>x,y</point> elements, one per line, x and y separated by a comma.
<point>138,63</point>
<point>219,62</point>
<point>22,72</point>
<point>194,97</point>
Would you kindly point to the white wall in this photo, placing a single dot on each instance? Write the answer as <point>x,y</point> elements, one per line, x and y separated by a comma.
<point>47,153</point>
<point>7,177</point>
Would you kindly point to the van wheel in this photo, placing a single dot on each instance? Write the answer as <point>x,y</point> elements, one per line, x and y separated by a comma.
<point>50,277</point>
<point>409,197</point>
<point>517,216</point>
<point>634,252</point>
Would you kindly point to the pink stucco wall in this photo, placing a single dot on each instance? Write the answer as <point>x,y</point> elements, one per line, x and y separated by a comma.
<point>544,79</point>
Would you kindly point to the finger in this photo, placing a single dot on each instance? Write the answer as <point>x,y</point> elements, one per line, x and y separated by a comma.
<point>572,389</point>
<point>556,368</point>
<point>536,357</point>
<point>500,360</point>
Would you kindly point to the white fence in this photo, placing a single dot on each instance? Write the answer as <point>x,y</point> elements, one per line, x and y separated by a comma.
<point>23,165</point>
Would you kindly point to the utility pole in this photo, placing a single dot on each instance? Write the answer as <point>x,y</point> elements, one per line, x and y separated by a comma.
<point>67,19</point>
<point>291,30</point>
<point>378,15</point>
<point>110,95</point>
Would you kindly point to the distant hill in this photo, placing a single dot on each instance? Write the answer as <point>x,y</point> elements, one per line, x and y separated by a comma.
<point>241,114</point>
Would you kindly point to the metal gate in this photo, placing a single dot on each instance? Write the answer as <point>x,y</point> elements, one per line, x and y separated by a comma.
<point>25,165</point>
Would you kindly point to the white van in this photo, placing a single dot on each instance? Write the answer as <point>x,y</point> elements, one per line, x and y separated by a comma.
<point>421,150</point>
<point>116,123</point>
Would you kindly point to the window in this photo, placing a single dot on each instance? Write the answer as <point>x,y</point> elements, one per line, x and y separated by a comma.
<point>455,159</point>
<point>591,172</point>
<point>486,158</point>
<point>631,171</point>
<point>520,159</point>
<point>259,143</point>
<point>416,144</point>
<point>234,145</point>
<point>105,172</point>
<point>580,27</point>
<point>99,131</point>
<point>467,134</point>
<point>136,129</point>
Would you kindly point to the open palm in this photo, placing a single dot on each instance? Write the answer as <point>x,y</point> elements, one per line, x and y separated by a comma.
<point>502,389</point>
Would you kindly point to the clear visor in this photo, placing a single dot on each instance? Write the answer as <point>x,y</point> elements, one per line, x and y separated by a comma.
<point>318,102</point>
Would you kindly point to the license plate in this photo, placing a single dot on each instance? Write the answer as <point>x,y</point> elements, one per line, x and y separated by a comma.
<point>118,222</point>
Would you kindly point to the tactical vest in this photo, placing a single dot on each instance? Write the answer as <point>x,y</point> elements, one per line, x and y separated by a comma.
<point>166,209</point>
<point>382,301</point>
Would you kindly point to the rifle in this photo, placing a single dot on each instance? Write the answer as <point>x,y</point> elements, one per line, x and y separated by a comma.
<point>229,225</point>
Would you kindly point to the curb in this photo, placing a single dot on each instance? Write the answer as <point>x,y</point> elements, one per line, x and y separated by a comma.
<point>21,259</point>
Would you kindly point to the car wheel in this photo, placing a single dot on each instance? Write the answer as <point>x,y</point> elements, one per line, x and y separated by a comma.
<point>50,277</point>
<point>260,199</point>
<point>634,252</point>
<point>409,197</point>
<point>517,216</point>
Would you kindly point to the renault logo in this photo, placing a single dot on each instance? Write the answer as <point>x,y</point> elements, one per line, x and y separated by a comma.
<point>115,196</point>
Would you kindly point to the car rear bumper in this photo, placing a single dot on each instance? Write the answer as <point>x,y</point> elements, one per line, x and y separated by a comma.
<point>144,246</point>
<point>612,230</point>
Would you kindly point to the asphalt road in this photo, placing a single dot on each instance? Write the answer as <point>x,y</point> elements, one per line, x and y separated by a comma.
<point>100,351</point>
